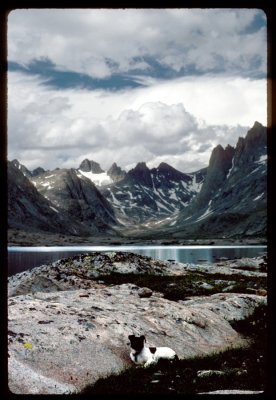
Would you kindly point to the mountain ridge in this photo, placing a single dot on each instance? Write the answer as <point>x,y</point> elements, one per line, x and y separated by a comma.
<point>240,201</point>
<point>225,199</point>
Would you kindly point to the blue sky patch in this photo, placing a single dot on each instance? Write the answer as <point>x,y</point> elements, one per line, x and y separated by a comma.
<point>258,22</point>
<point>68,79</point>
<point>59,79</point>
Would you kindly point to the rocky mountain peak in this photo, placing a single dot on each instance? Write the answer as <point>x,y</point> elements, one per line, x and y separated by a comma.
<point>250,148</point>
<point>257,134</point>
<point>164,167</point>
<point>233,197</point>
<point>170,173</point>
<point>16,163</point>
<point>219,166</point>
<point>38,171</point>
<point>113,166</point>
<point>28,209</point>
<point>116,173</point>
<point>229,148</point>
<point>141,166</point>
<point>221,158</point>
<point>141,173</point>
<point>216,153</point>
<point>22,168</point>
<point>257,125</point>
<point>90,166</point>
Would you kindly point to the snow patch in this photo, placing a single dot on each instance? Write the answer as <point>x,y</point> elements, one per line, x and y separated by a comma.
<point>173,196</point>
<point>54,209</point>
<point>231,169</point>
<point>159,205</point>
<point>207,212</point>
<point>114,200</point>
<point>154,188</point>
<point>47,185</point>
<point>255,170</point>
<point>258,197</point>
<point>98,179</point>
<point>262,159</point>
<point>120,221</point>
<point>193,185</point>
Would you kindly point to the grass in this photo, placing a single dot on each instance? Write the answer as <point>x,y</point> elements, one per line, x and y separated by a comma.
<point>180,287</point>
<point>241,368</point>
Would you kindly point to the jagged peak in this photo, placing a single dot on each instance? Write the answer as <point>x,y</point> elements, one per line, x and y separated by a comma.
<point>141,166</point>
<point>240,141</point>
<point>116,173</point>
<point>141,173</point>
<point>257,132</point>
<point>165,166</point>
<point>216,152</point>
<point>221,158</point>
<point>90,165</point>
<point>114,165</point>
<point>218,148</point>
<point>257,125</point>
<point>22,168</point>
<point>38,171</point>
<point>15,162</point>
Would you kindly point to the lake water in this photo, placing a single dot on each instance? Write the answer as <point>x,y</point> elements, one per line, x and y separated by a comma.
<point>23,258</point>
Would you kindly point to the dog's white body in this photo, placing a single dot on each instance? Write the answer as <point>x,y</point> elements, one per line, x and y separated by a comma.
<point>150,355</point>
<point>146,357</point>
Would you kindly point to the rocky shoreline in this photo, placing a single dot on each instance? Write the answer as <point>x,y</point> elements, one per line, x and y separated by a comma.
<point>68,321</point>
<point>17,237</point>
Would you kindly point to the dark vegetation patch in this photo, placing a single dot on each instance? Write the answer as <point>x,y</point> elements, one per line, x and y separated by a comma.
<point>180,287</point>
<point>240,369</point>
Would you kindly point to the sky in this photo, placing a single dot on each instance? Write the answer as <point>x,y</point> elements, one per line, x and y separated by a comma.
<point>132,85</point>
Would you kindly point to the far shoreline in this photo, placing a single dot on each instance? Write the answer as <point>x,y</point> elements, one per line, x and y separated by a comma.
<point>23,238</point>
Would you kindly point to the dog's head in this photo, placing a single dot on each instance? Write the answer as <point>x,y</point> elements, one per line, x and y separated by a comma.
<point>137,342</point>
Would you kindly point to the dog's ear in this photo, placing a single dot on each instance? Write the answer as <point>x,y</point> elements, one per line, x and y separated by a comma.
<point>130,337</point>
<point>143,337</point>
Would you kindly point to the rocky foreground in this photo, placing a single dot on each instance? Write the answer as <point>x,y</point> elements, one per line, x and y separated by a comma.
<point>68,324</point>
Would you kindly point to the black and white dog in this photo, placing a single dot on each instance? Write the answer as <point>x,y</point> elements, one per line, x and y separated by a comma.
<point>140,354</point>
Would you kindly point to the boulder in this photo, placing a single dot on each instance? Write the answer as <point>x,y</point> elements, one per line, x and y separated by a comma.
<point>78,271</point>
<point>144,292</point>
<point>62,341</point>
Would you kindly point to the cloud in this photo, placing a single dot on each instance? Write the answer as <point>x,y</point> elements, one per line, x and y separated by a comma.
<point>217,100</point>
<point>59,128</point>
<point>202,73</point>
<point>90,41</point>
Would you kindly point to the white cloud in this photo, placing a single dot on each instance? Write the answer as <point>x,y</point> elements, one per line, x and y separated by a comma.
<point>86,41</point>
<point>215,99</point>
<point>178,123</point>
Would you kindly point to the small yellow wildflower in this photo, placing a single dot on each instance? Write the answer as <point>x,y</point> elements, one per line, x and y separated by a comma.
<point>28,345</point>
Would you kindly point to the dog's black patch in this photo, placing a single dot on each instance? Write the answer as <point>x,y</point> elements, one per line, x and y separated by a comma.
<point>152,349</point>
<point>137,343</point>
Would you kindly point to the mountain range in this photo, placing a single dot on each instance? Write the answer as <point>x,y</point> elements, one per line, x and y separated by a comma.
<point>226,199</point>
